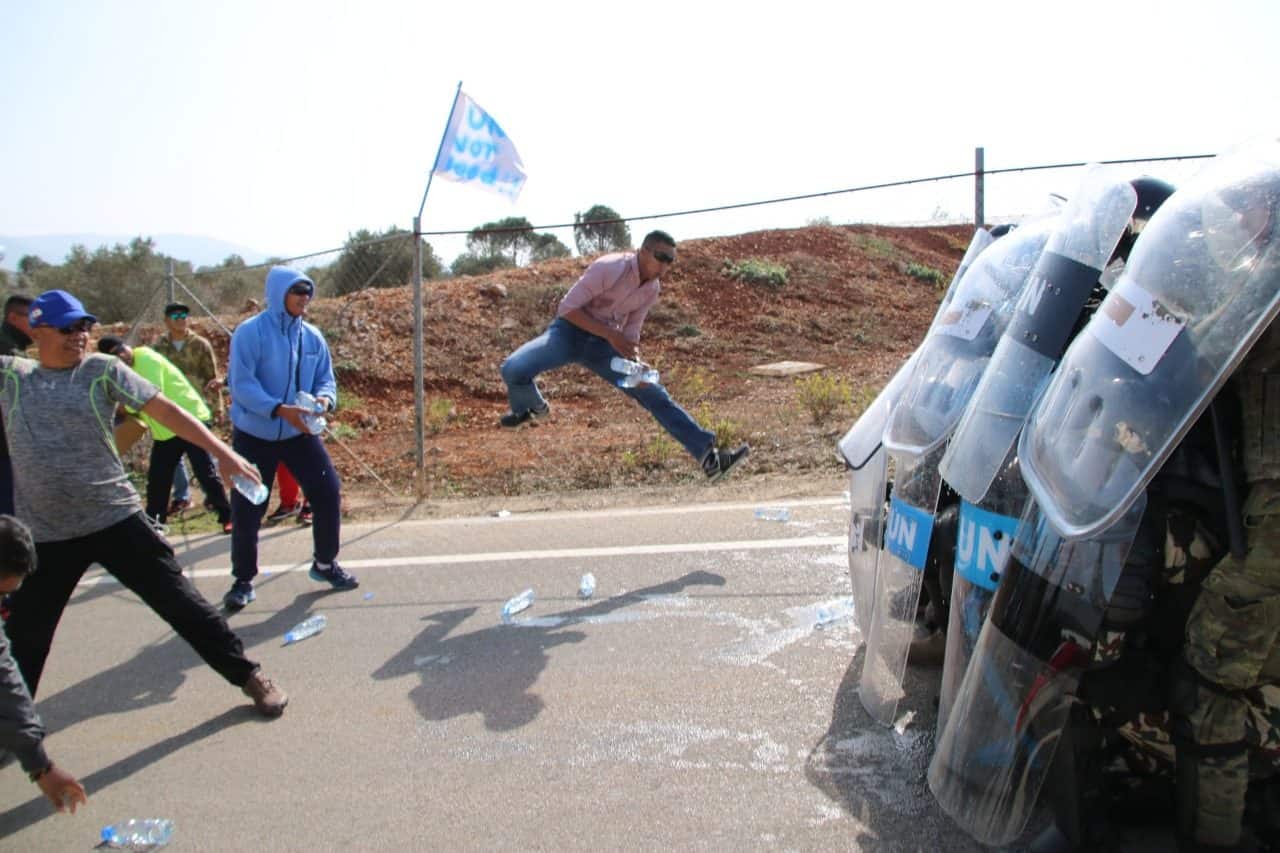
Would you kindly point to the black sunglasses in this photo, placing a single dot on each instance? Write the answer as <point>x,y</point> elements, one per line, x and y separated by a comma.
<point>665,257</point>
<point>300,290</point>
<point>178,315</point>
<point>77,327</point>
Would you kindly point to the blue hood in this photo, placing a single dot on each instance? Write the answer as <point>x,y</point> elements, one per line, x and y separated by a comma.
<point>273,356</point>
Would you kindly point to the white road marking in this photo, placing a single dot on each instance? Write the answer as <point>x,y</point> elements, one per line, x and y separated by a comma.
<point>511,556</point>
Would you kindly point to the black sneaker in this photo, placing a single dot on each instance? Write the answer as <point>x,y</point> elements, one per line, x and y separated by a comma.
<point>281,513</point>
<point>240,594</point>
<point>335,576</point>
<point>719,462</point>
<point>511,420</point>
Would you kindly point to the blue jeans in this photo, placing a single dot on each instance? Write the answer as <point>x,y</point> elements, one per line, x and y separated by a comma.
<point>564,343</point>
<point>181,482</point>
<point>309,462</point>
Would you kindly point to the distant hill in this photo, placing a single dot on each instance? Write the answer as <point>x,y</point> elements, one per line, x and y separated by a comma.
<point>53,248</point>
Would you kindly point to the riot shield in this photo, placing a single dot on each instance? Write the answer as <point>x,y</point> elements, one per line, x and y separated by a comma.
<point>983,543</point>
<point>1201,285</point>
<point>992,758</point>
<point>1084,237</point>
<point>947,367</point>
<point>951,359</point>
<point>862,453</point>
<point>897,587</point>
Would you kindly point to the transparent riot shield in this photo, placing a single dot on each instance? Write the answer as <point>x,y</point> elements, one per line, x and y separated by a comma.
<point>1201,285</point>
<point>862,452</point>
<point>984,539</point>
<point>951,359</point>
<point>1084,237</point>
<point>867,487</point>
<point>899,568</point>
<point>993,756</point>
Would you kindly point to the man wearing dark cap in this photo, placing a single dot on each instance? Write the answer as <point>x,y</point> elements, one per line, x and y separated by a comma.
<point>167,449</point>
<point>194,356</point>
<point>71,488</point>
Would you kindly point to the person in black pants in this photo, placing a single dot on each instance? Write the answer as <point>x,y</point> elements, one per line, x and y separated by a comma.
<point>275,356</point>
<point>166,447</point>
<point>72,490</point>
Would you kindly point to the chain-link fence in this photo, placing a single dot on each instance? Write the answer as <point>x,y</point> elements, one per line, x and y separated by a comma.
<point>127,286</point>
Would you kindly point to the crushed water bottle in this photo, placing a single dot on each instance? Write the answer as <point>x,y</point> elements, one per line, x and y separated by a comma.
<point>308,627</point>
<point>254,493</point>
<point>773,513</point>
<point>138,833</point>
<point>633,372</point>
<point>515,605</point>
<point>587,586</point>
<point>314,421</point>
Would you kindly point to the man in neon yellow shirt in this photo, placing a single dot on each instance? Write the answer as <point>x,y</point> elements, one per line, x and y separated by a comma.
<point>166,447</point>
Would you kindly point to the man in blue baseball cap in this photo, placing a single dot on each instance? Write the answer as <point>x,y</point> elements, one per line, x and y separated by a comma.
<point>72,490</point>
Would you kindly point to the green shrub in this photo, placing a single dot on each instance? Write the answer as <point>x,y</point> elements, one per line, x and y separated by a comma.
<point>756,271</point>
<point>437,413</point>
<point>688,330</point>
<point>822,395</point>
<point>659,451</point>
<point>925,273</point>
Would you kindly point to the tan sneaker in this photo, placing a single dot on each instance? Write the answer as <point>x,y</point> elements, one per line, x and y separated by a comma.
<point>267,698</point>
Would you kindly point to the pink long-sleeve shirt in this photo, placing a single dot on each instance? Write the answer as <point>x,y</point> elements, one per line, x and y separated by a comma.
<point>611,293</point>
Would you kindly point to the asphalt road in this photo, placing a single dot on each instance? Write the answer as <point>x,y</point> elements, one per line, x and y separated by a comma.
<point>704,698</point>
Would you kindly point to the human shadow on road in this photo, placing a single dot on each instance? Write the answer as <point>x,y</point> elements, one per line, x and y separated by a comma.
<point>154,674</point>
<point>491,671</point>
<point>38,808</point>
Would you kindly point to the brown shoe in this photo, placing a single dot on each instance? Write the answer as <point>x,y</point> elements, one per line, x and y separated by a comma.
<point>267,698</point>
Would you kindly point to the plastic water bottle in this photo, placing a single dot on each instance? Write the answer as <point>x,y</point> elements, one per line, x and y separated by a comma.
<point>587,586</point>
<point>515,605</point>
<point>773,513</point>
<point>254,493</point>
<point>308,627</point>
<point>138,833</point>
<point>315,421</point>
<point>633,372</point>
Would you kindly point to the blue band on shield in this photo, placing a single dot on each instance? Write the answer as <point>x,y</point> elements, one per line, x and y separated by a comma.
<point>907,533</point>
<point>982,545</point>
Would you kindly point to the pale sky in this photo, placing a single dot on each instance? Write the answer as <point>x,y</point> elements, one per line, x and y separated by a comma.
<point>285,126</point>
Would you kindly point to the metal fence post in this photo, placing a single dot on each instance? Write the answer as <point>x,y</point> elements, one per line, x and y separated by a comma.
<point>169,279</point>
<point>419,408</point>
<point>979,189</point>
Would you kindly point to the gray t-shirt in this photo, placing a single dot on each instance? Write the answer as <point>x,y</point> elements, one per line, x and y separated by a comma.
<point>68,480</point>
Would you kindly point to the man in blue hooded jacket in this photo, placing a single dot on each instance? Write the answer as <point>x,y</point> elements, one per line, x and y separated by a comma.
<point>274,355</point>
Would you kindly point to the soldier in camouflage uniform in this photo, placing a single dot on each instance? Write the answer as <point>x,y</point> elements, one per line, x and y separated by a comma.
<point>193,355</point>
<point>1233,633</point>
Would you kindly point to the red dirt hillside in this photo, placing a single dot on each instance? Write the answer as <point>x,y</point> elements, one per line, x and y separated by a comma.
<point>848,302</point>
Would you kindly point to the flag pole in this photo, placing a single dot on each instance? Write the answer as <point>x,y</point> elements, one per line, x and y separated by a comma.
<point>439,148</point>
<point>419,373</point>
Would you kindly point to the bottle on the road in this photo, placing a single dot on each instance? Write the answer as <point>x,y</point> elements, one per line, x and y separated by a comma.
<point>254,493</point>
<point>633,372</point>
<point>587,586</point>
<point>515,605</point>
<point>138,833</point>
<point>773,513</point>
<point>308,627</point>
<point>314,419</point>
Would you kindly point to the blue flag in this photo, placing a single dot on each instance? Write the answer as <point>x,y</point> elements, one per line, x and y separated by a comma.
<point>477,151</point>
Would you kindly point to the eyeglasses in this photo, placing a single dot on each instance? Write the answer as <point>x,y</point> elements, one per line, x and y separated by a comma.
<point>78,327</point>
<point>664,257</point>
<point>178,315</point>
<point>301,290</point>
